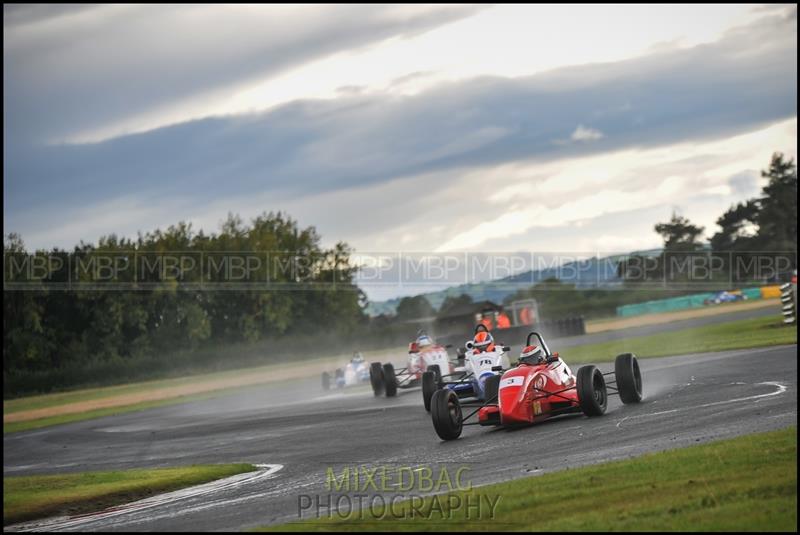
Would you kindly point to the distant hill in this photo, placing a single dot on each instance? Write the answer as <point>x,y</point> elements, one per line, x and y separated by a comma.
<point>590,273</point>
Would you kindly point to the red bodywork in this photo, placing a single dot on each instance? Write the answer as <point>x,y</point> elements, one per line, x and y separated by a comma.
<point>531,393</point>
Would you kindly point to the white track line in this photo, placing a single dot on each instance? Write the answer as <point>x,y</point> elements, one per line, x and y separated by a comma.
<point>781,388</point>
<point>264,471</point>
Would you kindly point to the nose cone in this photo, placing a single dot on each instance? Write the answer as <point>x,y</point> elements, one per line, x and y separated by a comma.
<point>515,405</point>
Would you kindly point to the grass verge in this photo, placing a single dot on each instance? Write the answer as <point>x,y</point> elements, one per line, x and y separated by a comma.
<point>32,497</point>
<point>51,409</point>
<point>743,334</point>
<point>28,425</point>
<point>618,322</point>
<point>744,484</point>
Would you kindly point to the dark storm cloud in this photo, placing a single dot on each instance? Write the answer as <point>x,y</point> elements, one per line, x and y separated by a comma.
<point>742,82</point>
<point>68,69</point>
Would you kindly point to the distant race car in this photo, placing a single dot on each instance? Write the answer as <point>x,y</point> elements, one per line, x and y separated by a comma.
<point>423,355</point>
<point>534,391</point>
<point>355,372</point>
<point>469,376</point>
<point>724,297</point>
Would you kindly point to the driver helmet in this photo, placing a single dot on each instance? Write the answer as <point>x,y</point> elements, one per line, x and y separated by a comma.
<point>424,341</point>
<point>483,341</point>
<point>357,357</point>
<point>532,355</point>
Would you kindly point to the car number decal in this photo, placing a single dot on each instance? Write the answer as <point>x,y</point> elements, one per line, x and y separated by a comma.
<point>511,381</point>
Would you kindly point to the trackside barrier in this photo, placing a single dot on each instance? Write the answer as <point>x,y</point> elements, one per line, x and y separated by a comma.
<point>789,302</point>
<point>770,292</point>
<point>757,293</point>
<point>700,300</point>
<point>560,328</point>
<point>574,326</point>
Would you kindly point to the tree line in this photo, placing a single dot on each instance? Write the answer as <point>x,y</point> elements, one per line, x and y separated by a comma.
<point>757,240</point>
<point>56,336</point>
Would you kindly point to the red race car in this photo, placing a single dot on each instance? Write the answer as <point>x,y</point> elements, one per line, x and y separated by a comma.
<point>423,355</point>
<point>539,387</point>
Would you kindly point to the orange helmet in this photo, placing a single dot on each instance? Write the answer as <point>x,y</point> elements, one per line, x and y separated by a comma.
<point>483,341</point>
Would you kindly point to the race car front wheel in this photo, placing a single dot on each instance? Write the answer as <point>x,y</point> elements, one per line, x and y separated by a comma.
<point>446,414</point>
<point>376,378</point>
<point>592,395</point>
<point>428,388</point>
<point>389,380</point>
<point>629,378</point>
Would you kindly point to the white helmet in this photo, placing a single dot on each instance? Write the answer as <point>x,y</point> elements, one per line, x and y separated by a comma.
<point>424,341</point>
<point>532,355</point>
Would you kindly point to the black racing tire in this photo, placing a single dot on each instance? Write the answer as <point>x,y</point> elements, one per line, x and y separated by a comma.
<point>629,378</point>
<point>491,388</point>
<point>326,381</point>
<point>376,378</point>
<point>429,387</point>
<point>339,374</point>
<point>592,394</point>
<point>446,414</point>
<point>438,373</point>
<point>389,380</point>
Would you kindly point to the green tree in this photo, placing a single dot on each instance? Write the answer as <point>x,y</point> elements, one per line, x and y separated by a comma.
<point>450,302</point>
<point>679,234</point>
<point>738,228</point>
<point>763,226</point>
<point>777,217</point>
<point>417,307</point>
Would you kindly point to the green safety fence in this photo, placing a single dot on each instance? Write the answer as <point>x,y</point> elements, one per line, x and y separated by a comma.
<point>679,303</point>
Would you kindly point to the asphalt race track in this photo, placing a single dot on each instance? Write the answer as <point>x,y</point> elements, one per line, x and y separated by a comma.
<point>297,431</point>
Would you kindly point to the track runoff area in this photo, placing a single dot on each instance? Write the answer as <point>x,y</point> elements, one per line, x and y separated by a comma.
<point>331,455</point>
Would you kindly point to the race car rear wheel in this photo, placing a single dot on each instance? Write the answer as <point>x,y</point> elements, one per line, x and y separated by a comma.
<point>339,378</point>
<point>376,378</point>
<point>428,388</point>
<point>446,414</point>
<point>491,387</point>
<point>629,378</point>
<point>592,395</point>
<point>389,380</point>
<point>326,381</point>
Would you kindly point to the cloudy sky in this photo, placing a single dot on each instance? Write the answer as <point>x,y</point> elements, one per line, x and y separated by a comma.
<point>415,128</point>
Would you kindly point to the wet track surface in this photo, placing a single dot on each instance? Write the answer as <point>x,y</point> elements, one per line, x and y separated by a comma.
<point>300,431</point>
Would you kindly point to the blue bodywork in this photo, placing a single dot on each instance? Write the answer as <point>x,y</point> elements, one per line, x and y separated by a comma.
<point>362,373</point>
<point>475,387</point>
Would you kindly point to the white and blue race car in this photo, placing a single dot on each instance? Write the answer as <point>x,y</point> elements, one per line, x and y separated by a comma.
<point>354,373</point>
<point>469,376</point>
